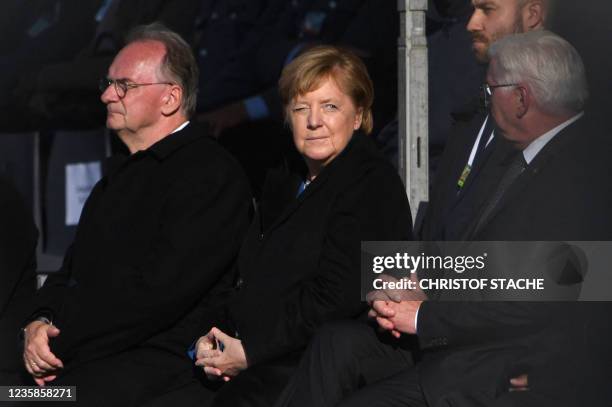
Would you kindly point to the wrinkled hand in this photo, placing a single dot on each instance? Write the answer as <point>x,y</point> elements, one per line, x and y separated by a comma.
<point>38,359</point>
<point>395,317</point>
<point>205,347</point>
<point>225,363</point>
<point>519,383</point>
<point>397,294</point>
<point>224,118</point>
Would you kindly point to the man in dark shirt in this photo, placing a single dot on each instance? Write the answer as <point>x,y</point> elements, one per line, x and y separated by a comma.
<point>158,231</point>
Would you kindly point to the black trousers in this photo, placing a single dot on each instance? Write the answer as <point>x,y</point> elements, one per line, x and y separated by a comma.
<point>349,363</point>
<point>128,379</point>
<point>258,386</point>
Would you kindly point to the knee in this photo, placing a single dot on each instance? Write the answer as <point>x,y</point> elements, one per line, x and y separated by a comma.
<point>342,337</point>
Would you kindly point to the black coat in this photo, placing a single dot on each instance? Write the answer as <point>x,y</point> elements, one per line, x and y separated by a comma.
<point>300,264</point>
<point>471,350</point>
<point>157,232</point>
<point>18,237</point>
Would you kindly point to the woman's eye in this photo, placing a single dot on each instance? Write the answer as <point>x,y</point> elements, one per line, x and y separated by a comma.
<point>299,109</point>
<point>330,106</point>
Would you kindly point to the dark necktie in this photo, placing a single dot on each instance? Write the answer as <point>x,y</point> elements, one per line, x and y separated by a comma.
<point>515,168</point>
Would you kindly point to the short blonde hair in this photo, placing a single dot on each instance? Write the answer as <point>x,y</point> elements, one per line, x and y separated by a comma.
<point>307,72</point>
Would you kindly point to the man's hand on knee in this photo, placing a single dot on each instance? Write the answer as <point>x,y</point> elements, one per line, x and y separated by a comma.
<point>38,359</point>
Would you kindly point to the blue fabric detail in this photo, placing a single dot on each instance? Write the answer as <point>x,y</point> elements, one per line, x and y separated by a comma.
<point>191,352</point>
<point>102,10</point>
<point>302,187</point>
<point>256,108</point>
<point>293,53</point>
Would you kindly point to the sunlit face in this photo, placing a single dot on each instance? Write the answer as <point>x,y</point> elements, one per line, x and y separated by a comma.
<point>492,20</point>
<point>140,107</point>
<point>323,122</point>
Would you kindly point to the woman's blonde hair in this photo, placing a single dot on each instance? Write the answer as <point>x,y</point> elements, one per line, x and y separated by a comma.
<point>307,72</point>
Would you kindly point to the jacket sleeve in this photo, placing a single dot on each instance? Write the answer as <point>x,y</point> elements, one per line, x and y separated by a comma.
<point>455,324</point>
<point>17,247</point>
<point>371,208</point>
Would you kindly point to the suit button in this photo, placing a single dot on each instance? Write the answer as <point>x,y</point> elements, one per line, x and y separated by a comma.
<point>239,283</point>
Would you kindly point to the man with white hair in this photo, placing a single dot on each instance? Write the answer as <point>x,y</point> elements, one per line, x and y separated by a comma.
<point>468,151</point>
<point>537,88</point>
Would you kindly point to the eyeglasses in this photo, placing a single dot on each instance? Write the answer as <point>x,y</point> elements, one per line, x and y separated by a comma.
<point>122,85</point>
<point>487,91</point>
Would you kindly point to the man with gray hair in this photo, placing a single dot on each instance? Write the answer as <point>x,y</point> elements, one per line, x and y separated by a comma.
<point>537,88</point>
<point>156,234</point>
<point>546,76</point>
<point>468,151</point>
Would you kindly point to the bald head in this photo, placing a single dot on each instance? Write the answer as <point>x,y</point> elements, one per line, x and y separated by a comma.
<point>143,105</point>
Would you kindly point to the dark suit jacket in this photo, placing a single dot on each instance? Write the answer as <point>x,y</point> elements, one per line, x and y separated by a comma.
<point>450,211</point>
<point>473,349</point>
<point>300,264</point>
<point>157,232</point>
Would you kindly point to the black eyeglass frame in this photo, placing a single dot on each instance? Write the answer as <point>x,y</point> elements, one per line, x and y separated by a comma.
<point>487,91</point>
<point>122,86</point>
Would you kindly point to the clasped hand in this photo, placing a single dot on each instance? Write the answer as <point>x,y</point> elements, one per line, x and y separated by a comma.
<point>395,309</point>
<point>220,355</point>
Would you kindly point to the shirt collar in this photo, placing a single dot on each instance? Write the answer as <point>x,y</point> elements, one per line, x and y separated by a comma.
<point>159,150</point>
<point>538,144</point>
<point>173,141</point>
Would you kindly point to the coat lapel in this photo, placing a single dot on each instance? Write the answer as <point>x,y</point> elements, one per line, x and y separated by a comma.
<point>520,188</point>
<point>288,201</point>
<point>292,203</point>
<point>445,196</point>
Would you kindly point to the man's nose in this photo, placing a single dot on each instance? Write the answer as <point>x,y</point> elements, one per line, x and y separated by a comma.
<point>109,95</point>
<point>475,23</point>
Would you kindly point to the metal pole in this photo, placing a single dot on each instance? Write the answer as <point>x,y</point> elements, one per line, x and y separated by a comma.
<point>413,102</point>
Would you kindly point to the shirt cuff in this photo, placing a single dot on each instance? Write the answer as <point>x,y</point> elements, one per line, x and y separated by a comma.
<point>191,352</point>
<point>416,320</point>
<point>256,108</point>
